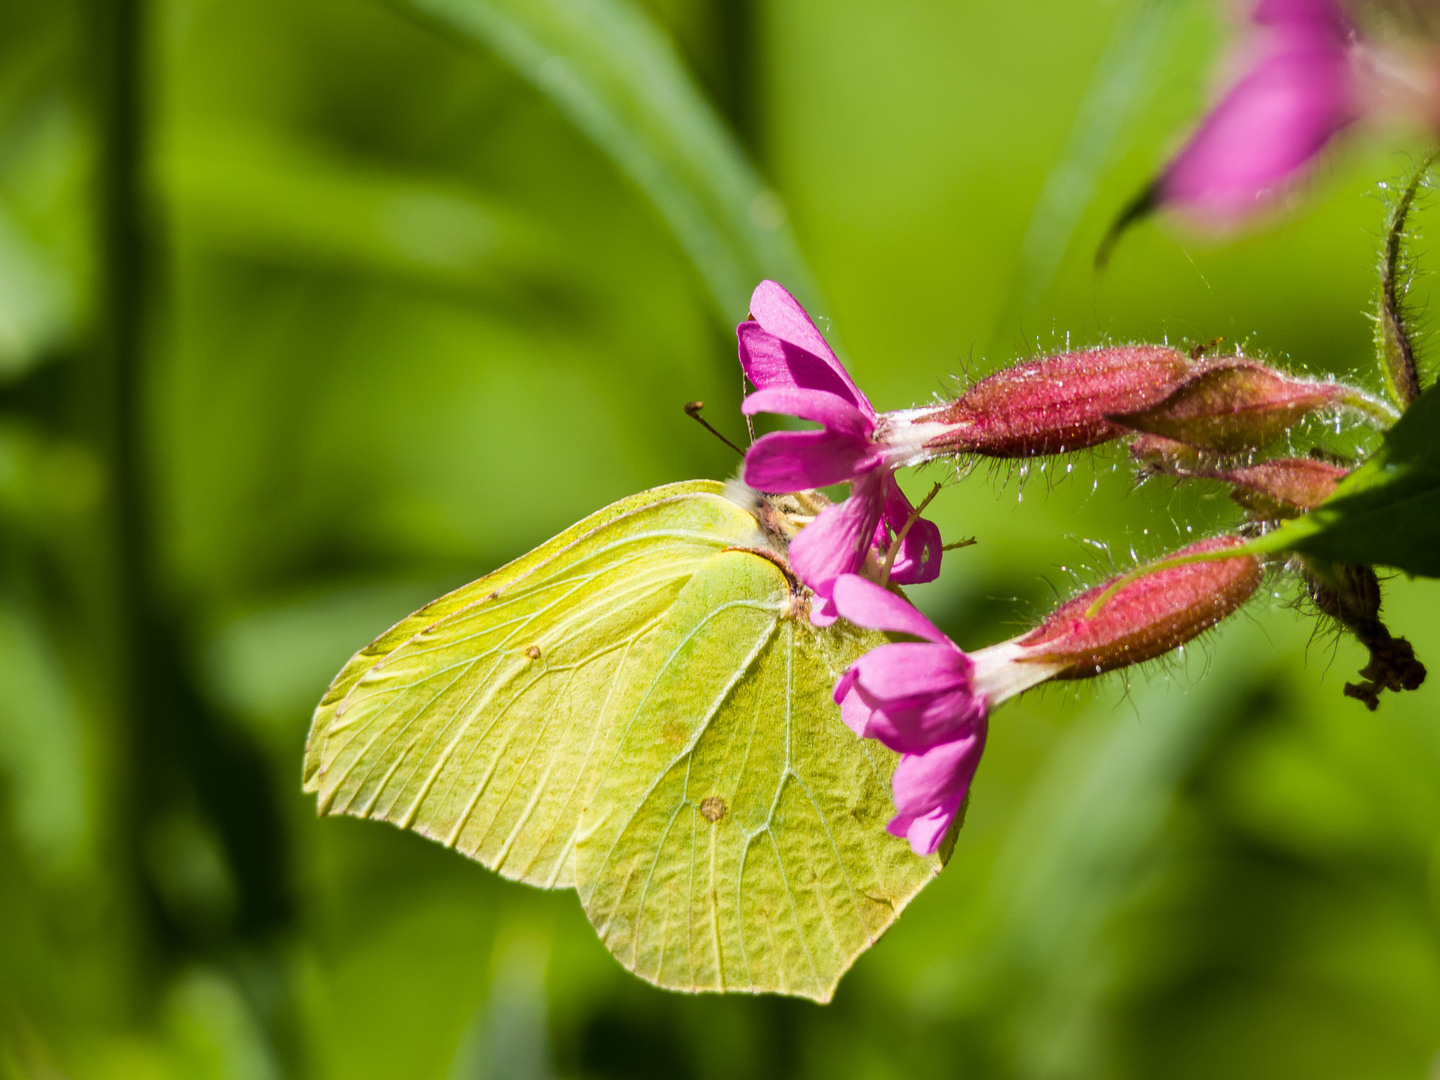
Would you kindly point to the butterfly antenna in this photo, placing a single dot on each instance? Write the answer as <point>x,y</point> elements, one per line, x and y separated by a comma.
<point>692,410</point>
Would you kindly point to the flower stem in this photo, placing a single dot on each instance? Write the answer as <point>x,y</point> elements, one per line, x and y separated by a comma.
<point>1381,413</point>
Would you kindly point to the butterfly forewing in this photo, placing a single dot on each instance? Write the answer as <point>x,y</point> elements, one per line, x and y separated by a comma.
<point>735,839</point>
<point>479,720</point>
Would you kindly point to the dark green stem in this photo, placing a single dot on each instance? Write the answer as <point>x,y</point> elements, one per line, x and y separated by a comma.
<point>180,758</point>
<point>108,391</point>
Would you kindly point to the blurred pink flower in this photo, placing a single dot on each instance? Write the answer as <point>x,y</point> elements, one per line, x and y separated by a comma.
<point>795,373</point>
<point>1299,93</point>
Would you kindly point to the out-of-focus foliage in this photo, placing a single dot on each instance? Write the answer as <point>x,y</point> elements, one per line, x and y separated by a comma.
<point>416,298</point>
<point>606,67</point>
<point>45,162</point>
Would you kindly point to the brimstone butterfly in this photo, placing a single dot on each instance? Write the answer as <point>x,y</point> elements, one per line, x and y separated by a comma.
<point>640,709</point>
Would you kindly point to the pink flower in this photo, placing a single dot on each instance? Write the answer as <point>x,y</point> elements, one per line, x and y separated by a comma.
<point>1300,93</point>
<point>795,373</point>
<point>931,702</point>
<point>920,699</point>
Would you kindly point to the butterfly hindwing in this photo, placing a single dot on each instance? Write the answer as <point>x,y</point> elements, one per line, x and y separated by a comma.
<point>736,839</point>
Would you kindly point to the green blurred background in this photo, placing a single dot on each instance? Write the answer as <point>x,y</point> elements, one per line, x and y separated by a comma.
<point>312,309</point>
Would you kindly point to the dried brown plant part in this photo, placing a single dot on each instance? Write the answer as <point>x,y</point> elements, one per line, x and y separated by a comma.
<point>1350,594</point>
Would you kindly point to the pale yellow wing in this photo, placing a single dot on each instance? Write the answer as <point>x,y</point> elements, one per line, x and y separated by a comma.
<point>736,837</point>
<point>478,720</point>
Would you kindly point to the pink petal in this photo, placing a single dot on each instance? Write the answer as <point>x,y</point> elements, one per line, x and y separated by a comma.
<point>930,787</point>
<point>1275,121</point>
<point>781,314</point>
<point>918,559</point>
<point>837,541</point>
<point>924,833</point>
<point>770,362</point>
<point>853,710</point>
<point>817,405</point>
<point>803,460</point>
<point>911,669</point>
<point>921,724</point>
<point>923,781</point>
<point>866,604</point>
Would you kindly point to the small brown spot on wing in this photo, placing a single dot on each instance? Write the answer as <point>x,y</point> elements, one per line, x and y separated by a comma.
<point>713,808</point>
<point>532,651</point>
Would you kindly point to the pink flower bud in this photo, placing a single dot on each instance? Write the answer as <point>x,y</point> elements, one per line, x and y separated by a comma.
<point>1146,616</point>
<point>1046,406</point>
<point>1232,404</point>
<point>1284,487</point>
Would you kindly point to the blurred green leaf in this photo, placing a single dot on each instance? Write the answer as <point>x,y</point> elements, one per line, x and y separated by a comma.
<point>37,301</point>
<point>256,194</point>
<point>617,77</point>
<point>508,1037</point>
<point>44,258</point>
<point>270,664</point>
<point>1122,81</point>
<point>188,870</point>
<point>45,483</point>
<point>1080,848</point>
<point>42,751</point>
<point>212,1033</point>
<point>1385,513</point>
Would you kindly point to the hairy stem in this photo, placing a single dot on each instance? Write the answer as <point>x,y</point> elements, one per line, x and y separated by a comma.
<point>1392,336</point>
